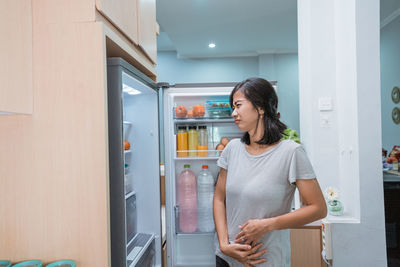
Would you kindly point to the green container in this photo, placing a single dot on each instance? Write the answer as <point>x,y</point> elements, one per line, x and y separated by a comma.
<point>5,264</point>
<point>33,263</point>
<point>64,263</point>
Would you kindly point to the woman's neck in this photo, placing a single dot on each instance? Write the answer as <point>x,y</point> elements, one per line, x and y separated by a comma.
<point>256,134</point>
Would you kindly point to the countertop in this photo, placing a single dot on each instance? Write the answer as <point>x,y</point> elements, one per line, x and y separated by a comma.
<point>391,176</point>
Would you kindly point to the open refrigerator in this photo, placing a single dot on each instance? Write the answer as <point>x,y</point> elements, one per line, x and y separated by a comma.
<point>142,118</point>
<point>196,248</point>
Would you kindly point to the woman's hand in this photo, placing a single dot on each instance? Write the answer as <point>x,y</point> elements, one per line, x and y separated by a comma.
<point>254,230</point>
<point>245,254</point>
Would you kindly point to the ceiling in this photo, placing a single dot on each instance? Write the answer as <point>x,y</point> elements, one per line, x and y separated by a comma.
<point>237,27</point>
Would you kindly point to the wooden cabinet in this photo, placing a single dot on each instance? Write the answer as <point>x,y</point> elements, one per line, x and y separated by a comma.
<point>306,247</point>
<point>130,24</point>
<point>16,56</point>
<point>54,163</point>
<point>148,28</point>
<point>137,21</point>
<point>123,14</point>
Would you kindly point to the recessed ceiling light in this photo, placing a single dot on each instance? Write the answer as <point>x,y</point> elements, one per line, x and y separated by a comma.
<point>211,45</point>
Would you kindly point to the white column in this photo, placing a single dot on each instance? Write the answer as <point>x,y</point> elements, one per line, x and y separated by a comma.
<point>340,121</point>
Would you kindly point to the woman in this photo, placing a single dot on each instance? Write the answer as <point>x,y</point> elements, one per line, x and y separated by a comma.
<point>258,176</point>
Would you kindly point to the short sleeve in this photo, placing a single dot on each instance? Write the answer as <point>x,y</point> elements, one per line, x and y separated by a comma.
<point>300,166</point>
<point>224,158</point>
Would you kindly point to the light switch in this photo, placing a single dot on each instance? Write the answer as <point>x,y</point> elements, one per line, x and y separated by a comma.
<point>325,103</point>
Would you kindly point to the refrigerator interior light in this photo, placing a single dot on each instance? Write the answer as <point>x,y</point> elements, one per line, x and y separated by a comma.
<point>130,90</point>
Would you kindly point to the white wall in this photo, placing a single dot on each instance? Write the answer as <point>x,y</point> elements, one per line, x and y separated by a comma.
<point>173,70</point>
<point>339,58</point>
<point>390,77</point>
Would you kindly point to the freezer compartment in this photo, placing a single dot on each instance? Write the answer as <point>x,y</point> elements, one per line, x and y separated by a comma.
<point>193,250</point>
<point>192,221</point>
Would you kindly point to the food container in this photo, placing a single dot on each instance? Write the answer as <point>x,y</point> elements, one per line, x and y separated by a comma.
<point>218,108</point>
<point>5,263</point>
<point>32,263</point>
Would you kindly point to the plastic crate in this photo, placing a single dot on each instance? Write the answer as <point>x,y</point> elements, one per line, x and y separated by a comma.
<point>64,263</point>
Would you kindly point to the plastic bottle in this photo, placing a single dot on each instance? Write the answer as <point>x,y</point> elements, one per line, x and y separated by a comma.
<point>193,141</point>
<point>187,200</point>
<point>202,145</point>
<point>205,194</point>
<point>182,141</point>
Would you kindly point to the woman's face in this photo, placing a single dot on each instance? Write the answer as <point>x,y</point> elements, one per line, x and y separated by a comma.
<point>244,113</point>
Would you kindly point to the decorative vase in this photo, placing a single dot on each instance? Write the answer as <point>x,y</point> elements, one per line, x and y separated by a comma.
<point>335,207</point>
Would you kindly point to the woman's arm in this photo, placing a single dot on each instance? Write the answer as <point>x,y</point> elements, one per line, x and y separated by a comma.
<point>314,209</point>
<point>219,209</point>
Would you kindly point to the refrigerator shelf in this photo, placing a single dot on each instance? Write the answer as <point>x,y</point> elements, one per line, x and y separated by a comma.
<point>197,158</point>
<point>127,123</point>
<point>196,234</point>
<point>191,264</point>
<point>203,120</point>
<point>126,152</point>
<point>179,233</point>
<point>205,154</point>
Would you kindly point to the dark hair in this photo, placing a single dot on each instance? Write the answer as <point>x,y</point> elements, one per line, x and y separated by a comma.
<point>262,95</point>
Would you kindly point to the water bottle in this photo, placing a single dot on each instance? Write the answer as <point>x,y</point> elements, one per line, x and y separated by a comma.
<point>205,194</point>
<point>187,200</point>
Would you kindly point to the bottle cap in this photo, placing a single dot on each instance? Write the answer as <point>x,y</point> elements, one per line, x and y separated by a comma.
<point>202,127</point>
<point>205,166</point>
<point>192,127</point>
<point>181,127</point>
<point>186,166</point>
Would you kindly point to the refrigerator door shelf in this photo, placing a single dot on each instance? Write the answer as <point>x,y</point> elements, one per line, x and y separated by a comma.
<point>128,184</point>
<point>141,250</point>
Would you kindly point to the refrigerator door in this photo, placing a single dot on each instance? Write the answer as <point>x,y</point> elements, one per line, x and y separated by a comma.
<point>197,248</point>
<point>134,165</point>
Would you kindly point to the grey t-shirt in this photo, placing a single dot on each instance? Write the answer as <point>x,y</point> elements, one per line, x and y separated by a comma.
<point>260,187</point>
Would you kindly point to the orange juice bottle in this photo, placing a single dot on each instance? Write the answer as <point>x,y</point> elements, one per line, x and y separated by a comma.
<point>202,145</point>
<point>182,142</point>
<point>193,141</point>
